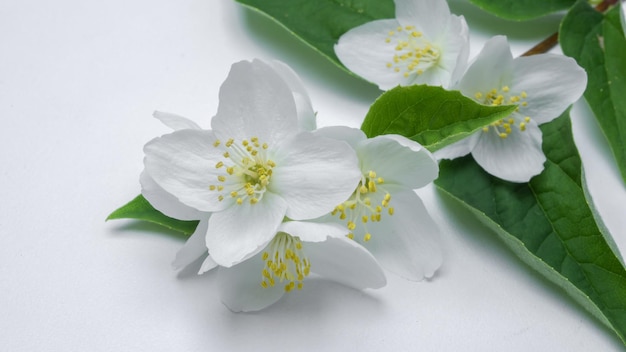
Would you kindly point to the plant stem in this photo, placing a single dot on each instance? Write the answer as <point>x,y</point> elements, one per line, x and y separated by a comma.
<point>553,40</point>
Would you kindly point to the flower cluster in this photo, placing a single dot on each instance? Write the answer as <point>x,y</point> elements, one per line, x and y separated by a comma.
<point>426,44</point>
<point>278,200</point>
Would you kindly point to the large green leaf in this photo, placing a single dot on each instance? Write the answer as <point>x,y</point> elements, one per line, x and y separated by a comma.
<point>320,23</point>
<point>522,9</point>
<point>431,116</point>
<point>548,223</point>
<point>140,209</point>
<point>598,44</point>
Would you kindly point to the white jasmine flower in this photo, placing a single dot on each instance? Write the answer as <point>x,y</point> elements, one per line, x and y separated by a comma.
<point>424,44</point>
<point>298,249</point>
<point>542,86</point>
<point>384,213</point>
<point>254,168</point>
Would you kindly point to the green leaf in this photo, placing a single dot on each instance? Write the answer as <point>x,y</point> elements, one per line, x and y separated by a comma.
<point>548,223</point>
<point>431,116</point>
<point>140,209</point>
<point>522,9</point>
<point>320,23</point>
<point>598,44</point>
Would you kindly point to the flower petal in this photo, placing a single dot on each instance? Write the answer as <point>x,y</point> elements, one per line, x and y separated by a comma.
<point>207,264</point>
<point>346,262</point>
<point>306,114</point>
<point>455,49</point>
<point>314,174</point>
<point>552,82</point>
<point>255,101</point>
<point>364,51</point>
<point>492,68</point>
<point>430,15</point>
<point>240,287</point>
<point>458,149</point>
<point>241,230</point>
<point>165,202</point>
<point>183,164</point>
<point>398,160</point>
<point>342,133</point>
<point>622,16</point>
<point>516,158</point>
<point>308,231</point>
<point>407,243</point>
<point>174,121</point>
<point>194,248</point>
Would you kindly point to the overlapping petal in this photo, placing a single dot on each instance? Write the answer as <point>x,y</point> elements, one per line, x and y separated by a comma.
<point>165,202</point>
<point>194,248</point>
<point>313,174</point>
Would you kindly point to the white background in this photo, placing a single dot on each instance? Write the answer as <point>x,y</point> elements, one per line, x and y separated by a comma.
<point>78,83</point>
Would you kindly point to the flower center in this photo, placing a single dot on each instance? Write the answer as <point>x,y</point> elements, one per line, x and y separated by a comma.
<point>413,53</point>
<point>503,96</point>
<point>285,262</point>
<point>247,170</point>
<point>365,205</point>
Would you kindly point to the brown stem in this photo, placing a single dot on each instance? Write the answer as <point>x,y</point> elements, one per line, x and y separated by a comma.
<point>553,40</point>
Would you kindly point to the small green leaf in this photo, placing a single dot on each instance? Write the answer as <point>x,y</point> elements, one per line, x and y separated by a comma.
<point>431,116</point>
<point>320,23</point>
<point>548,223</point>
<point>598,44</point>
<point>140,209</point>
<point>522,9</point>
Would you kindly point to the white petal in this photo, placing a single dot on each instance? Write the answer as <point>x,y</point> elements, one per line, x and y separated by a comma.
<point>165,202</point>
<point>342,133</point>
<point>314,174</point>
<point>174,121</point>
<point>491,69</point>
<point>207,264</point>
<point>306,114</point>
<point>458,149</point>
<point>312,231</point>
<point>183,164</point>
<point>516,158</point>
<point>240,287</point>
<point>455,49</point>
<point>552,82</point>
<point>430,15</point>
<point>194,248</point>
<point>346,262</point>
<point>241,230</point>
<point>408,242</point>
<point>255,101</point>
<point>363,50</point>
<point>398,160</point>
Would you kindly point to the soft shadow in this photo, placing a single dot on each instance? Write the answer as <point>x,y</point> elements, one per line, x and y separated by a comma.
<point>479,235</point>
<point>304,59</point>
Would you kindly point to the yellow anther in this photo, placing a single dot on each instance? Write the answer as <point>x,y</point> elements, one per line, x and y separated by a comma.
<point>485,129</point>
<point>245,142</point>
<point>271,163</point>
<point>226,154</point>
<point>220,188</point>
<point>524,103</point>
<point>380,180</point>
<point>216,143</point>
<point>264,284</point>
<point>379,209</point>
<point>253,200</point>
<point>406,74</point>
<point>522,126</point>
<point>362,189</point>
<point>389,64</point>
<point>396,69</point>
<point>220,198</point>
<point>239,201</point>
<point>478,95</point>
<point>505,89</point>
<point>391,210</point>
<point>219,164</point>
<point>512,121</point>
<point>527,119</point>
<point>212,187</point>
<point>391,33</point>
<point>229,142</point>
<point>233,194</point>
<point>399,29</point>
<point>221,178</point>
<point>503,135</point>
<point>371,186</point>
<point>230,170</point>
<point>364,219</point>
<point>416,34</point>
<point>387,197</point>
<point>523,94</point>
<point>367,237</point>
<point>387,40</point>
<point>350,236</point>
<point>351,225</point>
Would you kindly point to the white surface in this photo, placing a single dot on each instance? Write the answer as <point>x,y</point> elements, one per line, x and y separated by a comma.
<point>78,83</point>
